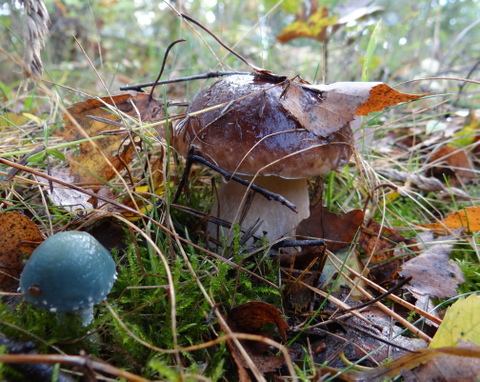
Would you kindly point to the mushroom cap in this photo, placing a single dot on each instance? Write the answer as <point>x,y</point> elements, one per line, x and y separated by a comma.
<point>258,134</point>
<point>68,271</point>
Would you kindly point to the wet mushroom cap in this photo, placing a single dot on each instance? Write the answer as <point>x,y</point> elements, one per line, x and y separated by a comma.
<point>67,272</point>
<point>258,132</point>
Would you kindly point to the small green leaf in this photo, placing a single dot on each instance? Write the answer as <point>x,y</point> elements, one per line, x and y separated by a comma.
<point>38,157</point>
<point>372,44</point>
<point>57,154</point>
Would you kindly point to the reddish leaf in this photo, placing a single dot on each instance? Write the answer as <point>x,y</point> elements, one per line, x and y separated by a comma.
<point>252,318</point>
<point>377,244</point>
<point>452,163</point>
<point>19,236</point>
<point>338,230</point>
<point>91,161</point>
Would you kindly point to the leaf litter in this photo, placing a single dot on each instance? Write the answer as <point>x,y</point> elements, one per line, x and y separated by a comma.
<point>302,270</point>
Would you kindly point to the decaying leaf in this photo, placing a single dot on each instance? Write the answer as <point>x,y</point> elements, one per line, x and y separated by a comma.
<point>19,236</point>
<point>338,103</point>
<point>72,200</point>
<point>91,164</point>
<point>461,323</point>
<point>433,273</point>
<point>253,318</point>
<point>361,340</point>
<point>337,230</point>
<point>468,218</point>
<point>446,368</point>
<point>410,362</point>
<point>377,244</point>
<point>452,163</point>
<point>299,269</point>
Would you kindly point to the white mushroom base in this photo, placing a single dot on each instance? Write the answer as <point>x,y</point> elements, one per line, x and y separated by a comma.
<point>277,220</point>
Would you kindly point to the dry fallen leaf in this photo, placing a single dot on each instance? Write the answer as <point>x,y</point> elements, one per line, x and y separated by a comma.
<point>253,318</point>
<point>433,273</point>
<point>377,244</point>
<point>453,163</point>
<point>67,198</point>
<point>19,236</point>
<point>446,368</point>
<point>468,218</point>
<point>410,362</point>
<point>91,164</point>
<point>299,269</point>
<point>337,230</point>
<point>315,26</point>
<point>338,103</point>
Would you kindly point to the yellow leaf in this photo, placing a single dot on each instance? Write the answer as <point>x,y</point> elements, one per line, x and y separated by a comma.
<point>468,217</point>
<point>462,322</point>
<point>34,118</point>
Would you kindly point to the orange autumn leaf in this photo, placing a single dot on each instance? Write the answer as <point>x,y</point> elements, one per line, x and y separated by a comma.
<point>19,236</point>
<point>117,149</point>
<point>468,218</point>
<point>338,103</point>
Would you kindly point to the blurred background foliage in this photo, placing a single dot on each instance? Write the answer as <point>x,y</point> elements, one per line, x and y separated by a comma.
<point>126,40</point>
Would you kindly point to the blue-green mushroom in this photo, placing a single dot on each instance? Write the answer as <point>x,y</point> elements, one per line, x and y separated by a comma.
<point>69,272</point>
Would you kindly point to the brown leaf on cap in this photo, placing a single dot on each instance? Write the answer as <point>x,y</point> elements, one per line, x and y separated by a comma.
<point>91,161</point>
<point>338,230</point>
<point>19,236</point>
<point>338,103</point>
<point>251,318</point>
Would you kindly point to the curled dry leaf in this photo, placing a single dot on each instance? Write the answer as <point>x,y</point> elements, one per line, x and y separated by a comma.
<point>90,116</point>
<point>253,318</point>
<point>72,200</point>
<point>19,236</point>
<point>338,103</point>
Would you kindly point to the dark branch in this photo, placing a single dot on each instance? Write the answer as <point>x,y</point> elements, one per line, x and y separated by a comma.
<point>184,79</point>
<point>194,158</point>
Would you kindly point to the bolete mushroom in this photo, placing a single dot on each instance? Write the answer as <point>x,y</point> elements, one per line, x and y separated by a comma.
<point>256,135</point>
<point>69,272</point>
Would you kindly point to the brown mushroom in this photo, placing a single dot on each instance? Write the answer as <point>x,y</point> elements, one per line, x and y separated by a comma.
<point>255,136</point>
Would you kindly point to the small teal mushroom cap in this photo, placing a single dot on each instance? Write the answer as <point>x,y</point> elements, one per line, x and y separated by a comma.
<point>67,272</point>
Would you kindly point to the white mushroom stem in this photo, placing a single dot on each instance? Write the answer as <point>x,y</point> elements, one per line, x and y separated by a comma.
<point>277,220</point>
